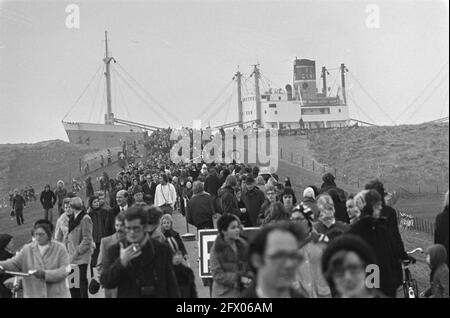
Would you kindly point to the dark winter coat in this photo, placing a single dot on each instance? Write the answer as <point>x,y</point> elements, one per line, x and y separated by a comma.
<point>228,201</point>
<point>253,199</point>
<point>178,240</point>
<point>212,184</point>
<point>99,219</point>
<point>47,199</point>
<point>150,275</point>
<point>200,210</point>
<point>441,229</point>
<point>227,268</point>
<point>391,218</point>
<point>376,233</point>
<point>89,190</point>
<point>18,202</point>
<point>186,281</point>
<point>439,273</point>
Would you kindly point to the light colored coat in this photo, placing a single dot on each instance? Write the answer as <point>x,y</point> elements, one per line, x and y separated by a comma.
<point>310,279</point>
<point>54,263</point>
<point>80,244</point>
<point>62,228</point>
<point>105,244</point>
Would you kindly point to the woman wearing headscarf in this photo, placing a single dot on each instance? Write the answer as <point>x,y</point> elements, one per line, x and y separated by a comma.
<point>309,200</point>
<point>47,262</point>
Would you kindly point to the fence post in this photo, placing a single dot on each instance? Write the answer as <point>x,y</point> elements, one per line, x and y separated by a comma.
<point>323,169</point>
<point>335,172</point>
<point>313,164</point>
<point>281,153</point>
<point>437,188</point>
<point>419,188</point>
<point>292,157</point>
<point>303,162</point>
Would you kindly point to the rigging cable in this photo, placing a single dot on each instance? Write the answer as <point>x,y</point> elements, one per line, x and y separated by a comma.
<point>371,98</point>
<point>127,113</point>
<point>422,92</point>
<point>220,107</point>
<point>360,108</point>
<point>206,109</point>
<point>103,100</point>
<point>164,109</point>
<point>94,99</point>
<point>143,99</point>
<point>427,98</point>
<point>83,92</point>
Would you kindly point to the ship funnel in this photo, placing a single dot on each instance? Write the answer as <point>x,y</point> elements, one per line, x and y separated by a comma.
<point>289,91</point>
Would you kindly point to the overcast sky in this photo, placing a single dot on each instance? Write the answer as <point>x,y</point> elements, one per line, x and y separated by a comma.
<point>184,53</point>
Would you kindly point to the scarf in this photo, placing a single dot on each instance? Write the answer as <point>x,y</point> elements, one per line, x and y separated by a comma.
<point>74,222</point>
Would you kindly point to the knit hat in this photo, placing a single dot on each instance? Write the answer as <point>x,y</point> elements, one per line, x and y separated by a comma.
<point>4,241</point>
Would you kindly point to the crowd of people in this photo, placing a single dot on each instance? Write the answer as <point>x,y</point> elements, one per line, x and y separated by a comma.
<point>313,244</point>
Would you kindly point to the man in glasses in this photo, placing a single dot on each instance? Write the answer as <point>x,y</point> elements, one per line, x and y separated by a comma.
<point>274,257</point>
<point>142,266</point>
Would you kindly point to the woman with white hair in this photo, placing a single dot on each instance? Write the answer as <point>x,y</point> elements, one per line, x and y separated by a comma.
<point>328,225</point>
<point>355,205</point>
<point>309,200</point>
<point>441,226</point>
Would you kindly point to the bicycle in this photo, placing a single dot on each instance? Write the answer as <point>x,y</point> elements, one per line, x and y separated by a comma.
<point>410,287</point>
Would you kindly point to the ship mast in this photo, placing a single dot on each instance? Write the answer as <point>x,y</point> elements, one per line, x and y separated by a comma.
<point>257,94</point>
<point>109,116</point>
<point>238,77</point>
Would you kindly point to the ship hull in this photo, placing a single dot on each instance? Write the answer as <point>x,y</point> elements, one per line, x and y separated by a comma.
<point>102,136</point>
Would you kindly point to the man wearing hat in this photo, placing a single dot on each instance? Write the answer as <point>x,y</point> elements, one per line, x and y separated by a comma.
<point>253,199</point>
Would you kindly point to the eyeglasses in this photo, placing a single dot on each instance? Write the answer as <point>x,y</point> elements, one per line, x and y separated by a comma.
<point>271,193</point>
<point>39,234</point>
<point>134,229</point>
<point>283,256</point>
<point>353,269</point>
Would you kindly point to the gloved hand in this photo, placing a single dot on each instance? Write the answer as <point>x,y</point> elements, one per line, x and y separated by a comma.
<point>39,274</point>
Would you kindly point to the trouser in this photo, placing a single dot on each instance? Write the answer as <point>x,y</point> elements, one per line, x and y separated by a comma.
<point>19,216</point>
<point>60,209</point>
<point>95,258</point>
<point>48,214</point>
<point>167,209</point>
<point>82,291</point>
